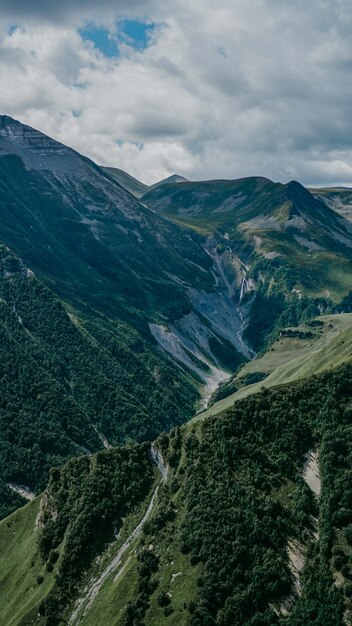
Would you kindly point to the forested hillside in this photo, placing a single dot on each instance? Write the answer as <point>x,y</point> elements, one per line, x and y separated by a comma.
<point>253,525</point>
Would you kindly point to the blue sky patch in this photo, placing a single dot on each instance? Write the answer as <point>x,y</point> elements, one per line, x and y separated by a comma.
<point>135,33</point>
<point>102,40</point>
<point>131,32</point>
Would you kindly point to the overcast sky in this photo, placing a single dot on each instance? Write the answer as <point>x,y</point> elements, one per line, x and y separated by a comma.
<point>203,88</point>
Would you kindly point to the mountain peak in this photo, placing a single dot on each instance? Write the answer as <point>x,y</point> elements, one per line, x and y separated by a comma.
<point>174,178</point>
<point>9,123</point>
<point>7,120</point>
<point>294,186</point>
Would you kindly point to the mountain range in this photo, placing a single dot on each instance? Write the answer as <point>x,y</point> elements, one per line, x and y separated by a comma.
<point>131,314</point>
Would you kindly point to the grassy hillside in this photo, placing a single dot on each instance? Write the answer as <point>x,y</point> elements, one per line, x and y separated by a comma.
<point>238,510</point>
<point>85,504</point>
<point>21,567</point>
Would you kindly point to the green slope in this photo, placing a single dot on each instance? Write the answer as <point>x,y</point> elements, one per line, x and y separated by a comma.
<point>21,566</point>
<point>72,381</point>
<point>296,354</point>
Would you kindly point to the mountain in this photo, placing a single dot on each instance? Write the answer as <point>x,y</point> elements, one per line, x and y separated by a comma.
<point>152,314</point>
<point>119,318</point>
<point>273,244</point>
<point>102,314</point>
<point>128,182</point>
<point>84,234</point>
<point>337,198</point>
<point>271,220</point>
<point>98,248</point>
<point>174,178</point>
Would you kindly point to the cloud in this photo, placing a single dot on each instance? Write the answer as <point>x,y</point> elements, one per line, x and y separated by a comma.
<point>221,89</point>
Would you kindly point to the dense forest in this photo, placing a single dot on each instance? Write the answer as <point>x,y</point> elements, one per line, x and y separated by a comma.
<point>246,497</point>
<point>70,381</point>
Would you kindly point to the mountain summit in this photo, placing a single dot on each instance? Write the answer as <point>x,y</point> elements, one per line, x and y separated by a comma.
<point>174,178</point>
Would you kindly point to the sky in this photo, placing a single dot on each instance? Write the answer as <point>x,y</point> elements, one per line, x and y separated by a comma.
<point>203,89</point>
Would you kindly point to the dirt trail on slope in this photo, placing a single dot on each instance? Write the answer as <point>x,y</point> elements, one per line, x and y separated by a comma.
<point>84,604</point>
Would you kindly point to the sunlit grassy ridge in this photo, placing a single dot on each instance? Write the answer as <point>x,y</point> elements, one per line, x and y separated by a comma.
<point>293,358</point>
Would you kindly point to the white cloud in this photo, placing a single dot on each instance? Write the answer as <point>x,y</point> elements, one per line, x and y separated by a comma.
<point>223,90</point>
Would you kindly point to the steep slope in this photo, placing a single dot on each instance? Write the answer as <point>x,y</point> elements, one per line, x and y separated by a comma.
<point>239,534</point>
<point>86,236</point>
<point>128,182</point>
